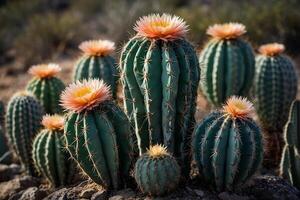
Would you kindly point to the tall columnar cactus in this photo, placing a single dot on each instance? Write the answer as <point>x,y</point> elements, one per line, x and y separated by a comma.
<point>227,63</point>
<point>290,163</point>
<point>96,62</point>
<point>23,121</point>
<point>49,154</point>
<point>157,172</point>
<point>160,74</point>
<point>275,89</point>
<point>228,145</point>
<point>97,133</point>
<point>46,87</point>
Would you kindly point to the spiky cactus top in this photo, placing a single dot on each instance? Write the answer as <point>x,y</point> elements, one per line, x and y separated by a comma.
<point>160,75</point>
<point>46,87</point>
<point>157,172</point>
<point>275,86</point>
<point>227,63</point>
<point>290,163</point>
<point>97,133</point>
<point>96,62</point>
<point>228,145</point>
<point>49,154</point>
<point>23,121</point>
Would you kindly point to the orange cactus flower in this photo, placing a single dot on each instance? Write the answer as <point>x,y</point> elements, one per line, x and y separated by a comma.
<point>44,70</point>
<point>97,47</point>
<point>164,27</point>
<point>53,122</point>
<point>85,95</point>
<point>226,31</point>
<point>271,49</point>
<point>238,107</point>
<point>157,151</point>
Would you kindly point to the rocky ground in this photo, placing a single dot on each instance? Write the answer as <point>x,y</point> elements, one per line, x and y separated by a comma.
<point>14,185</point>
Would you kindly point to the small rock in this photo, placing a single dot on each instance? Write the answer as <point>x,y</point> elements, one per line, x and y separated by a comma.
<point>101,195</point>
<point>58,194</point>
<point>123,194</point>
<point>116,197</point>
<point>8,172</point>
<point>200,193</point>
<point>32,193</point>
<point>87,193</point>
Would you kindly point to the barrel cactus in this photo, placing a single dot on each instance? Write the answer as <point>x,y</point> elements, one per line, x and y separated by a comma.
<point>160,74</point>
<point>49,154</point>
<point>46,87</point>
<point>275,88</point>
<point>228,139</point>
<point>290,163</point>
<point>96,62</point>
<point>97,133</point>
<point>23,121</point>
<point>227,63</point>
<point>157,172</point>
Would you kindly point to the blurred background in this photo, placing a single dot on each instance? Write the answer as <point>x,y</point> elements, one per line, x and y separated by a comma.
<point>35,31</point>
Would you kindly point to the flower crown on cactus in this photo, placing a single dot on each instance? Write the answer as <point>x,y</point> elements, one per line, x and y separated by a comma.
<point>238,107</point>
<point>97,47</point>
<point>157,151</point>
<point>53,122</point>
<point>44,70</point>
<point>271,49</point>
<point>226,31</point>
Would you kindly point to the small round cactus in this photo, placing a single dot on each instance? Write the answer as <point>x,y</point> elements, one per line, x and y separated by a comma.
<point>46,87</point>
<point>23,122</point>
<point>96,62</point>
<point>157,172</point>
<point>97,133</point>
<point>50,158</point>
<point>227,63</point>
<point>228,145</point>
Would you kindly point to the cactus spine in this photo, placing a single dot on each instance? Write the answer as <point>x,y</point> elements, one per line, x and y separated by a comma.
<point>290,163</point>
<point>50,158</point>
<point>23,118</point>
<point>46,87</point>
<point>97,63</point>
<point>275,89</point>
<point>157,172</point>
<point>160,75</point>
<point>227,64</point>
<point>230,140</point>
<point>97,133</point>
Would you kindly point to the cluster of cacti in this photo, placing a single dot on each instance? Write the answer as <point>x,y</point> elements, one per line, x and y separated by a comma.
<point>227,63</point>
<point>290,163</point>
<point>4,150</point>
<point>23,121</point>
<point>275,88</point>
<point>96,62</point>
<point>49,154</point>
<point>228,145</point>
<point>160,76</point>
<point>157,172</point>
<point>97,133</point>
<point>46,87</point>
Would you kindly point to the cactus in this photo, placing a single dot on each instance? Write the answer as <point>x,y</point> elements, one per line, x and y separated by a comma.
<point>160,74</point>
<point>275,88</point>
<point>4,150</point>
<point>227,63</point>
<point>46,87</point>
<point>157,172</point>
<point>97,63</point>
<point>97,133</point>
<point>290,163</point>
<point>50,158</point>
<point>228,145</point>
<point>23,121</point>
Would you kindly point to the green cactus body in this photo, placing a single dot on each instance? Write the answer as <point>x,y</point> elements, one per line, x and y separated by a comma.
<point>97,64</point>
<point>23,121</point>
<point>98,134</point>
<point>50,157</point>
<point>275,89</point>
<point>228,68</point>
<point>4,150</point>
<point>290,163</point>
<point>157,174</point>
<point>160,78</point>
<point>228,148</point>
<point>46,88</point>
